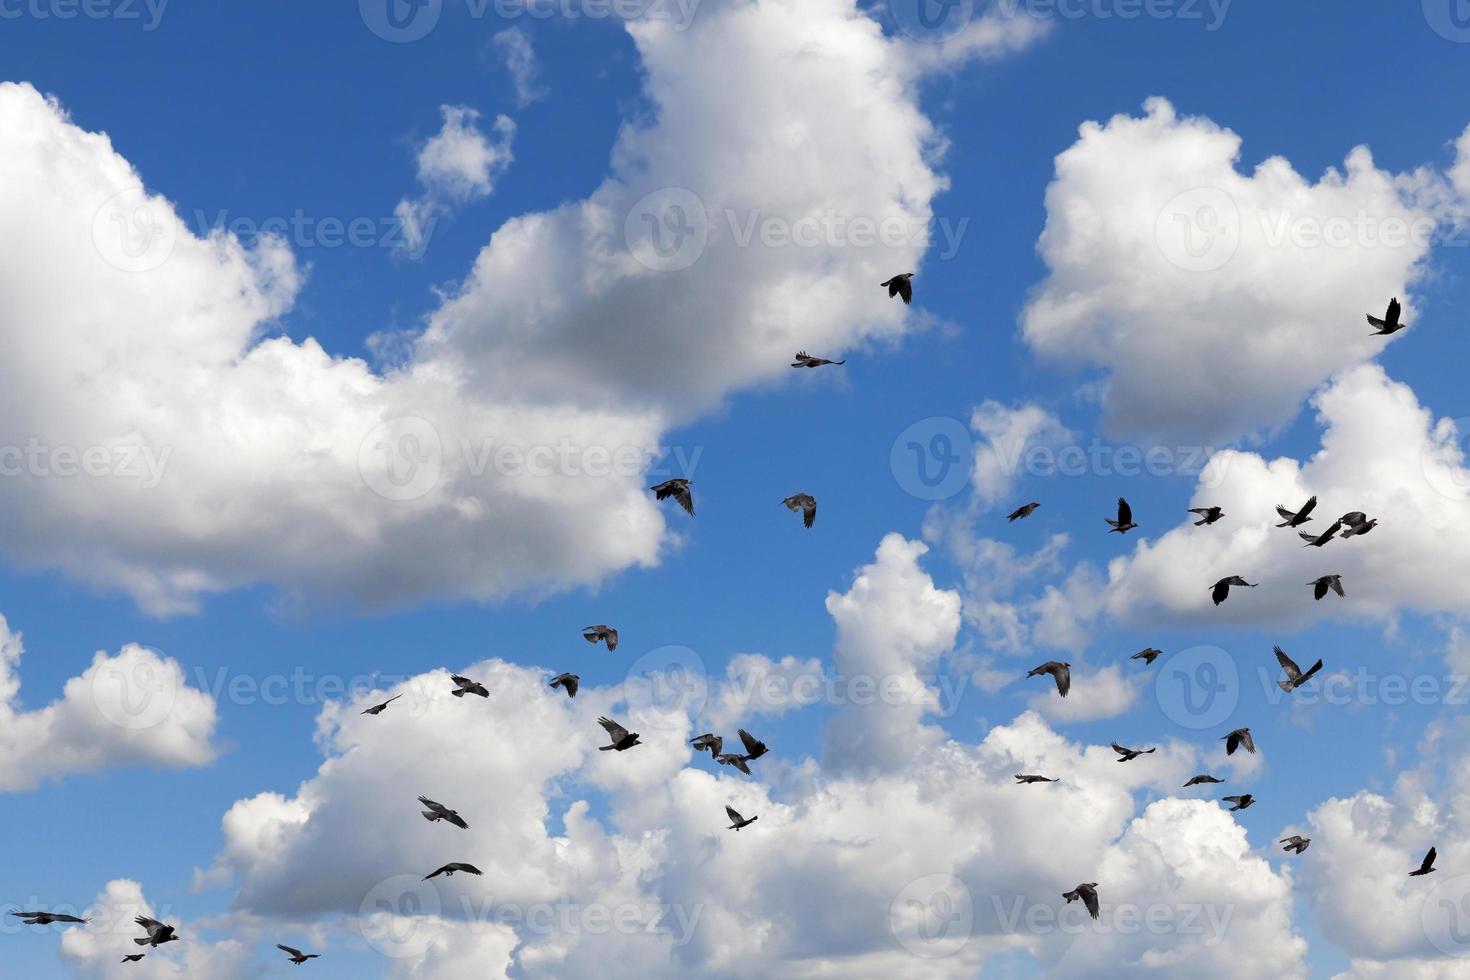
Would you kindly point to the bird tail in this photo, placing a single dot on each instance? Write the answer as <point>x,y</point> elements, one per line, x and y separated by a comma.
<point>605,748</point>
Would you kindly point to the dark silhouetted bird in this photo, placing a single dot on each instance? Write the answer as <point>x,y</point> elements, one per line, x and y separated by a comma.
<point>438,811</point>
<point>900,285</point>
<point>297,956</point>
<point>805,360</point>
<point>46,918</point>
<point>158,933</point>
<point>1362,528</point>
<point>708,741</point>
<point>1028,780</point>
<point>1425,868</point>
<point>451,869</point>
<point>1220,591</point>
<point>679,490</point>
<point>1060,672</point>
<point>1297,518</point>
<point>133,957</point>
<point>731,759</point>
<point>1126,754</point>
<point>1241,802</point>
<point>1147,656</point>
<point>1318,540</point>
<point>466,686</point>
<point>754,747</point>
<point>1197,780</point>
<point>1087,892</point>
<point>1020,513</point>
<point>1294,676</point>
<point>1321,585</point>
<point>1390,322</point>
<point>1237,738</point>
<point>601,633</point>
<point>1124,523</point>
<point>737,821</point>
<point>1296,842</point>
<point>805,503</point>
<point>1207,515</point>
<point>622,739</point>
<point>1353,518</point>
<point>567,682</point>
<point>378,709</point>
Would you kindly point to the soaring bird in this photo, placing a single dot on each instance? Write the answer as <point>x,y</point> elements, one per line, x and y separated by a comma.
<point>622,739</point>
<point>1294,676</point>
<point>449,870</point>
<point>567,682</point>
<point>737,821</point>
<point>1362,528</point>
<point>1299,517</point>
<point>1296,842</point>
<point>1237,738</point>
<point>1353,518</point>
<point>466,686</point>
<point>158,933</point>
<point>1220,591</point>
<point>1321,585</point>
<point>1060,672</point>
<point>1207,515</point>
<point>805,360</point>
<point>1318,540</point>
<point>1028,780</point>
<point>1087,892</point>
<point>594,634</point>
<point>296,955</point>
<point>1241,802</point>
<point>46,918</point>
<point>1023,512</point>
<point>754,747</point>
<point>1124,523</point>
<point>1390,322</point>
<point>679,490</point>
<point>1426,867</point>
<point>1147,656</point>
<point>1197,780</point>
<point>805,503</point>
<point>708,741</point>
<point>732,759</point>
<point>378,709</point>
<point>1126,754</point>
<point>438,811</point>
<point>133,957</point>
<point>900,285</point>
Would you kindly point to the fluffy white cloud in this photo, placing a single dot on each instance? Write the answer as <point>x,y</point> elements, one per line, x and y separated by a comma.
<point>131,708</point>
<point>1096,694</point>
<point>96,949</point>
<point>513,48</point>
<point>1214,301</point>
<point>1008,434</point>
<point>458,164</point>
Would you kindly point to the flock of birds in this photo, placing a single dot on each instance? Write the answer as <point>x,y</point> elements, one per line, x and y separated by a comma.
<point>621,739</point>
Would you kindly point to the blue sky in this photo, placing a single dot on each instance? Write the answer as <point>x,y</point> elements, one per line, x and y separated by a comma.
<point>253,115</point>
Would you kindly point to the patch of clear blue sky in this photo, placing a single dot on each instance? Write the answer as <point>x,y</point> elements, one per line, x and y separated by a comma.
<point>259,110</point>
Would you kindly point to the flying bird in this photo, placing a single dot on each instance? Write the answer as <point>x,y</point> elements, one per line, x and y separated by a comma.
<point>1241,802</point>
<point>737,821</point>
<point>1237,738</point>
<point>754,747</point>
<point>1390,323</point>
<point>1318,540</point>
<point>451,868</point>
<point>805,503</point>
<point>158,933</point>
<point>46,918</point>
<point>679,490</point>
<point>1021,513</point>
<point>1126,754</point>
<point>1124,523</point>
<point>1296,842</point>
<point>438,811</point>
<point>594,634</point>
<point>378,709</point>
<point>1362,528</point>
<point>1297,518</point>
<point>567,682</point>
<point>900,285</point>
<point>1426,867</point>
<point>1147,656</point>
<point>708,741</point>
<point>1294,676</point>
<point>296,955</point>
<point>1197,780</point>
<point>1087,893</point>
<point>805,360</point>
<point>622,739</point>
<point>1028,780</point>
<point>1321,585</point>
<point>1060,672</point>
<point>731,759</point>
<point>133,957</point>
<point>1353,518</point>
<point>1220,591</point>
<point>1207,515</point>
<point>467,686</point>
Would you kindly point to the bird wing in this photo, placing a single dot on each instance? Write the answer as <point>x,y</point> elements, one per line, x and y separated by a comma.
<point>1125,513</point>
<point>616,731</point>
<point>1063,678</point>
<point>686,499</point>
<point>1307,507</point>
<point>288,949</point>
<point>461,681</point>
<point>733,815</point>
<point>1120,749</point>
<point>1288,665</point>
<point>809,511</point>
<point>1089,898</point>
<point>1247,741</point>
<point>1335,583</point>
<point>570,684</point>
<point>1428,860</point>
<point>751,743</point>
<point>906,290</point>
<point>1394,310</point>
